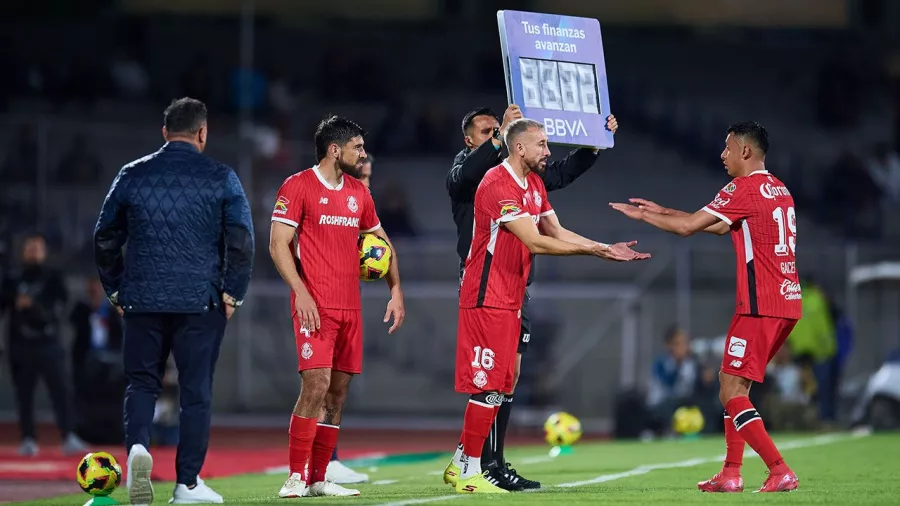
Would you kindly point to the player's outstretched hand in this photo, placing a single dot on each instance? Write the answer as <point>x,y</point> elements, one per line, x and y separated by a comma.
<point>633,212</point>
<point>649,205</point>
<point>307,311</point>
<point>622,252</point>
<point>395,308</point>
<point>612,124</point>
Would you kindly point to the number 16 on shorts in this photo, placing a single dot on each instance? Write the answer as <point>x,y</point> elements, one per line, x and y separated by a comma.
<point>486,344</point>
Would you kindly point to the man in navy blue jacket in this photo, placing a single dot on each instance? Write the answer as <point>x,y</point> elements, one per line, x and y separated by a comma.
<point>189,235</point>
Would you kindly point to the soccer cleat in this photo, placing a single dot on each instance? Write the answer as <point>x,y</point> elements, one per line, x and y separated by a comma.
<point>29,447</point>
<point>140,465</point>
<point>780,482</point>
<point>478,484</point>
<point>343,475</point>
<point>295,486</point>
<point>515,478</point>
<point>73,445</point>
<point>200,494</point>
<point>497,476</point>
<point>330,489</point>
<point>722,483</point>
<point>451,474</point>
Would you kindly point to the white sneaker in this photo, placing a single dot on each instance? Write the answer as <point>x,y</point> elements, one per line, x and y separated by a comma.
<point>29,447</point>
<point>295,486</point>
<point>73,445</point>
<point>140,464</point>
<point>200,494</point>
<point>330,489</point>
<point>343,475</point>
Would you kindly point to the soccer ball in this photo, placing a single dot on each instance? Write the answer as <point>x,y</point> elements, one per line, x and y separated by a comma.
<point>99,474</point>
<point>687,420</point>
<point>374,257</point>
<point>562,429</point>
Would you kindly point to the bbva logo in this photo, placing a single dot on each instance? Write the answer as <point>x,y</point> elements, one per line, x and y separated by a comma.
<point>557,126</point>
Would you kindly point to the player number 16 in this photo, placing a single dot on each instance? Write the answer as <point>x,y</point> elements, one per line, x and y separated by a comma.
<point>484,357</point>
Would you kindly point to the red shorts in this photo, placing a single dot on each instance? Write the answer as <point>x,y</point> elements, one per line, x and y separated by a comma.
<point>751,343</point>
<point>486,342</point>
<point>337,345</point>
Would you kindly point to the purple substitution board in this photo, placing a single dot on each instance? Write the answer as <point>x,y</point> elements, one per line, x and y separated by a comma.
<point>555,71</point>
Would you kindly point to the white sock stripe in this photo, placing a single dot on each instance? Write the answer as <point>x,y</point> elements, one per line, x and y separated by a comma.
<point>482,404</point>
<point>320,424</point>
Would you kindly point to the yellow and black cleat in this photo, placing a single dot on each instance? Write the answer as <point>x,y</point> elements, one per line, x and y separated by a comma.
<point>478,484</point>
<point>451,474</point>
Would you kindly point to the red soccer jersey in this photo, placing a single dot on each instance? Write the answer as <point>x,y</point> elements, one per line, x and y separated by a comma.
<point>498,263</point>
<point>328,220</point>
<point>760,211</point>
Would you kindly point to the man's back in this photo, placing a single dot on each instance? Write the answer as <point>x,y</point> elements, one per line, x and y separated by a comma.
<point>760,211</point>
<point>173,202</point>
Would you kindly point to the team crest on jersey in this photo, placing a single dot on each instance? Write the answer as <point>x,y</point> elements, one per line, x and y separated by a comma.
<point>351,204</point>
<point>306,351</point>
<point>281,205</point>
<point>480,379</point>
<point>729,188</point>
<point>509,207</point>
<point>537,198</point>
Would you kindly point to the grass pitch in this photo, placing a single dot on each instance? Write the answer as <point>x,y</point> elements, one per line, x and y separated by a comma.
<point>833,469</point>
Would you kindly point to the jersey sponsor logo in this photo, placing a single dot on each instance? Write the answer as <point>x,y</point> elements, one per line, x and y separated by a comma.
<point>480,379</point>
<point>306,351</point>
<point>772,192</point>
<point>509,207</point>
<point>537,199</point>
<point>340,221</point>
<point>281,205</point>
<point>730,188</point>
<point>351,204</point>
<point>494,399</point>
<point>737,347</point>
<point>526,338</point>
<point>719,202</point>
<point>790,290</point>
<point>558,126</point>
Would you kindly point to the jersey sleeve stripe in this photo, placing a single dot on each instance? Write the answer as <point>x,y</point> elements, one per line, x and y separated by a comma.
<point>548,213</point>
<point>376,227</point>
<point>510,217</point>
<point>286,221</point>
<point>717,215</point>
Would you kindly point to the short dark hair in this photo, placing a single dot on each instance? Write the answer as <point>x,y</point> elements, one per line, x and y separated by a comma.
<point>753,131</point>
<point>519,127</point>
<point>470,116</point>
<point>672,332</point>
<point>185,116</point>
<point>335,130</point>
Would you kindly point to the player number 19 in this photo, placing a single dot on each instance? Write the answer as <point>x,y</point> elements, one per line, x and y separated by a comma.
<point>484,358</point>
<point>785,240</point>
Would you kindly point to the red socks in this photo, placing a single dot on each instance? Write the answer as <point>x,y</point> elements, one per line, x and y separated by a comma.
<point>476,427</point>
<point>749,426</point>
<point>322,448</point>
<point>734,448</point>
<point>302,431</point>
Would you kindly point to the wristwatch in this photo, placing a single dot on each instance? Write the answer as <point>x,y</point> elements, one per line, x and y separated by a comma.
<point>228,299</point>
<point>497,133</point>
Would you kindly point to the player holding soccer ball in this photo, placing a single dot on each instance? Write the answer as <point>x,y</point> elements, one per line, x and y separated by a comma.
<point>319,214</point>
<point>758,210</point>
<point>513,221</point>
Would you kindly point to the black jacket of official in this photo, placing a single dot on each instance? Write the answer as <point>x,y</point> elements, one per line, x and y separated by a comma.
<point>469,168</point>
<point>40,322</point>
<point>189,233</point>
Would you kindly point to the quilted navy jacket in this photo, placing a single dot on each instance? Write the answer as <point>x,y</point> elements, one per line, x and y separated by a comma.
<point>174,232</point>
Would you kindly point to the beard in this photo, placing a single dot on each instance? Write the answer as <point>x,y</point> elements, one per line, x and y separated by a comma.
<point>539,165</point>
<point>354,170</point>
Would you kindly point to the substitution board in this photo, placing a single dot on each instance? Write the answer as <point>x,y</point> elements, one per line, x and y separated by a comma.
<point>555,71</point>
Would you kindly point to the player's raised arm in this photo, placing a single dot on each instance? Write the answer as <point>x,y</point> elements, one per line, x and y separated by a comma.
<point>681,225</point>
<point>562,173</point>
<point>720,228</point>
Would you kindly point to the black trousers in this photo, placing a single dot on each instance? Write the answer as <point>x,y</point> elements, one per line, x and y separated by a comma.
<point>31,362</point>
<point>194,340</point>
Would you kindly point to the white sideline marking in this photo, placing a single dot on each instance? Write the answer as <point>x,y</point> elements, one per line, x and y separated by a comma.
<point>799,443</point>
<point>384,482</point>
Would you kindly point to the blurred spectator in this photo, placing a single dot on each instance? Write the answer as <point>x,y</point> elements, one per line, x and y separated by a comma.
<point>97,367</point>
<point>679,379</point>
<point>81,164</point>
<point>393,210</point>
<point>128,76</point>
<point>851,197</point>
<point>21,162</point>
<point>34,299</point>
<point>814,339</point>
<point>884,168</point>
<point>789,391</point>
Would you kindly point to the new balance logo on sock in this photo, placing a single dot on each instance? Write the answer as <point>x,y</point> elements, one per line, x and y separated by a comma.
<point>745,417</point>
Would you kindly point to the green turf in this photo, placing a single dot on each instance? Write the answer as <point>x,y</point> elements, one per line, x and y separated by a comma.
<point>839,470</point>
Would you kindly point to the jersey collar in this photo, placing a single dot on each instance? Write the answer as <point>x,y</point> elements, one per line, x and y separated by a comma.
<point>522,184</point>
<point>758,172</point>
<point>325,182</point>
